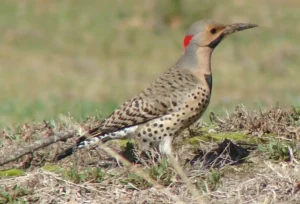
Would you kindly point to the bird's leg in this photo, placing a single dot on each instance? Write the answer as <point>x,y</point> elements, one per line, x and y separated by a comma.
<point>165,146</point>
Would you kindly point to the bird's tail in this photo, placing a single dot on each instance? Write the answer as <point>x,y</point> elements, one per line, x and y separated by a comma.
<point>92,137</point>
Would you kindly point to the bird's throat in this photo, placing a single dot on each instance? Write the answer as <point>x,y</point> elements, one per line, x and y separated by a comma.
<point>202,68</point>
<point>197,60</point>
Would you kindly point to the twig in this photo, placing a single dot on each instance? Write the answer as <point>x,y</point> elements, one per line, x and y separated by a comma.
<point>21,151</point>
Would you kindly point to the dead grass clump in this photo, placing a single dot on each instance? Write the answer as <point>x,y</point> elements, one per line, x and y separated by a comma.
<point>277,121</point>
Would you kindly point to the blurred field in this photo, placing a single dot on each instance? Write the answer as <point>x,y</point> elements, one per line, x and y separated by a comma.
<point>86,57</point>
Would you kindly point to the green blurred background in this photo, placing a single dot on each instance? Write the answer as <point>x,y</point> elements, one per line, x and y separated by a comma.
<point>85,57</point>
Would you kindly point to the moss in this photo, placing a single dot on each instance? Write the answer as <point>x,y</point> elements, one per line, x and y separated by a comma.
<point>238,136</point>
<point>52,168</point>
<point>11,172</point>
<point>56,169</point>
<point>193,140</point>
<point>123,143</point>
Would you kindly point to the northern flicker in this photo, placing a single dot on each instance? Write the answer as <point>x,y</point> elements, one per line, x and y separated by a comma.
<point>171,103</point>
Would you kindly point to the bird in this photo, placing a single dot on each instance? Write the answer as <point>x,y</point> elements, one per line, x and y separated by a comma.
<point>173,102</point>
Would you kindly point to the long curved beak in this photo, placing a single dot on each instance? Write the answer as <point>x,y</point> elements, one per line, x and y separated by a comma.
<point>237,27</point>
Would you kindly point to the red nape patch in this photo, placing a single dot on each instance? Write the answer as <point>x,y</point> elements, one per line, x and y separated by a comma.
<point>187,40</point>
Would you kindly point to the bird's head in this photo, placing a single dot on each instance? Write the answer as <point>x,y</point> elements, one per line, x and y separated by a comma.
<point>207,33</point>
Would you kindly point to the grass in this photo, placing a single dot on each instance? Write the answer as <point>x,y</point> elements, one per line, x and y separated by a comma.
<point>59,57</point>
<point>14,195</point>
<point>11,172</point>
<point>278,150</point>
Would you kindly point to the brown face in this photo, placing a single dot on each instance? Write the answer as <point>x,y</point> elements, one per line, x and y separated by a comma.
<point>211,34</point>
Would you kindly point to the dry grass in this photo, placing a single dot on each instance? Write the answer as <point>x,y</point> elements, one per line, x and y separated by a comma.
<point>268,183</point>
<point>276,121</point>
<point>220,175</point>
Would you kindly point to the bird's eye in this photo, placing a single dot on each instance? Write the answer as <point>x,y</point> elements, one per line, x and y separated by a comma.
<point>213,31</point>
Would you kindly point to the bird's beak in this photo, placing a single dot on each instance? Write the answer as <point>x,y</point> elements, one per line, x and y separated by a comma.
<point>237,27</point>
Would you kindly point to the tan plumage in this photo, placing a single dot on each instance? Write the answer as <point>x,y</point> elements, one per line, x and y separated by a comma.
<point>171,103</point>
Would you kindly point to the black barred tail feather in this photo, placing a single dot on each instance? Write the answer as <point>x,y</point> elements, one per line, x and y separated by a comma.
<point>70,150</point>
<point>95,136</point>
<point>65,153</point>
<point>81,142</point>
